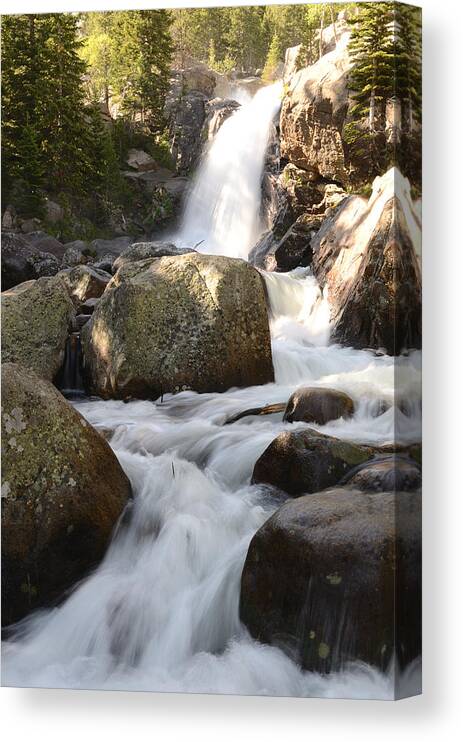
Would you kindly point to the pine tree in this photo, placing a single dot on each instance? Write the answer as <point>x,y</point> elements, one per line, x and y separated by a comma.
<point>23,94</point>
<point>386,52</point>
<point>65,135</point>
<point>273,59</point>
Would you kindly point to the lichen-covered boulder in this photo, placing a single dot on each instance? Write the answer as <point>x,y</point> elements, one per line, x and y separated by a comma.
<point>318,405</point>
<point>85,282</point>
<point>335,577</point>
<point>395,473</point>
<point>145,250</point>
<point>63,491</point>
<point>189,322</point>
<point>36,318</point>
<point>307,461</point>
<point>23,262</point>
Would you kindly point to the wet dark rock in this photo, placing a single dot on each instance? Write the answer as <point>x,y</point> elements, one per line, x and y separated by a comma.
<point>388,473</point>
<point>293,250</point>
<point>335,577</point>
<point>217,111</point>
<point>62,494</point>
<point>318,405</point>
<point>306,461</point>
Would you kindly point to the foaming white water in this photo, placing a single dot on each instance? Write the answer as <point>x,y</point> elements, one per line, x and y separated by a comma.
<point>162,610</point>
<point>222,210</point>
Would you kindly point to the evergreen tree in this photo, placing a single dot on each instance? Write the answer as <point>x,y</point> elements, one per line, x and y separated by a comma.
<point>274,57</point>
<point>385,49</point>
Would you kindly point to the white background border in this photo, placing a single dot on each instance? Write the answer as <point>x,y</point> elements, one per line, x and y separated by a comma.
<point>81,715</point>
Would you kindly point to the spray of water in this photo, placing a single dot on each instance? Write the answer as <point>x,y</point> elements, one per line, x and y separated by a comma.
<point>162,610</point>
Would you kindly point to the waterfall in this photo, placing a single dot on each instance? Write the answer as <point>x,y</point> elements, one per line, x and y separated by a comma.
<point>222,210</point>
<point>69,380</point>
<point>162,610</point>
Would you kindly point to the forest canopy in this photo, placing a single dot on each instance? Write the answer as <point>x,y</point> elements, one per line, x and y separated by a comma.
<point>61,70</point>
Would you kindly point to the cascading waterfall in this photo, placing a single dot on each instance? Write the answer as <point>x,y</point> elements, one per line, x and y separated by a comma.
<point>162,610</point>
<point>222,212</point>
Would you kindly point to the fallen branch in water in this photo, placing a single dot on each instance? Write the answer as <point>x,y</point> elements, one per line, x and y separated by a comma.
<point>268,410</point>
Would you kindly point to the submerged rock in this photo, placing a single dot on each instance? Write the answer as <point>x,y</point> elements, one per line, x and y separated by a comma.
<point>189,322</point>
<point>307,461</point>
<point>62,494</point>
<point>335,577</point>
<point>144,250</point>
<point>23,262</point>
<point>367,255</point>
<point>36,318</point>
<point>318,405</point>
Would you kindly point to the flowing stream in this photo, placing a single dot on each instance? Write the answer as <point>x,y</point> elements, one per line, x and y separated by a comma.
<point>162,610</point>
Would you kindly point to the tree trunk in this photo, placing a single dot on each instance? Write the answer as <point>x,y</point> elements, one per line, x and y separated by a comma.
<point>322,28</point>
<point>372,114</point>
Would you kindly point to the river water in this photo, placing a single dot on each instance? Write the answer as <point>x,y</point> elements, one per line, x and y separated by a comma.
<point>161,612</point>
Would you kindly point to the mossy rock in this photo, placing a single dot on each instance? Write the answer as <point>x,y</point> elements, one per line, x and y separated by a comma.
<point>307,461</point>
<point>189,322</point>
<point>36,318</point>
<point>63,491</point>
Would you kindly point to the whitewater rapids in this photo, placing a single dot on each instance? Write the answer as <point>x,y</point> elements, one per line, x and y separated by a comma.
<point>161,612</point>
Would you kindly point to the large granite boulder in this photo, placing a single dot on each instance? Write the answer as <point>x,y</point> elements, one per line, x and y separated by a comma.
<point>36,318</point>
<point>23,262</point>
<point>63,491</point>
<point>367,256</point>
<point>188,322</point>
<point>335,577</point>
<point>318,405</point>
<point>144,250</point>
<point>307,461</point>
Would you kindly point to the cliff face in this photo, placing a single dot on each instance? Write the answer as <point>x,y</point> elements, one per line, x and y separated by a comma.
<point>313,113</point>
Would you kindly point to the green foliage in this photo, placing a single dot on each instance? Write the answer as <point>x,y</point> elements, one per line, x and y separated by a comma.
<point>274,57</point>
<point>385,47</point>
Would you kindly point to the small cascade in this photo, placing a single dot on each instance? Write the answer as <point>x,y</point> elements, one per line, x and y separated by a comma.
<point>70,381</point>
